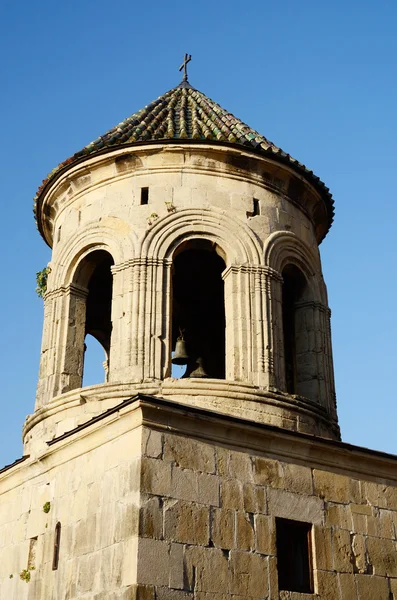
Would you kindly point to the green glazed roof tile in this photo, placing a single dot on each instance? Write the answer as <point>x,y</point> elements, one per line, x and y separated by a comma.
<point>184,113</point>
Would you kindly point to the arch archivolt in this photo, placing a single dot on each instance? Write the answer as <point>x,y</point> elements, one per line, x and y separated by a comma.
<point>311,318</point>
<point>284,248</point>
<point>233,236</point>
<point>79,246</point>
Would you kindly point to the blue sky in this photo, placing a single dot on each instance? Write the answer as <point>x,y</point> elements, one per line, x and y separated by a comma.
<point>316,78</point>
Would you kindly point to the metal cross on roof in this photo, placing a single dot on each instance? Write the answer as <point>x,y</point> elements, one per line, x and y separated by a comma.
<point>187,59</point>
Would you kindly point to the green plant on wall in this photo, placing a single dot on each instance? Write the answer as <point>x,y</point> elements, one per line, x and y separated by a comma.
<point>25,575</point>
<point>41,280</point>
<point>47,507</point>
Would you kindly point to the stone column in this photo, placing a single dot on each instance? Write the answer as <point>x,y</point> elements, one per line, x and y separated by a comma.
<point>62,354</point>
<point>122,330</point>
<point>272,314</point>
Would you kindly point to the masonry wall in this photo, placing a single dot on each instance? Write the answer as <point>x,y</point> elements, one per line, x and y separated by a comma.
<point>208,525</point>
<point>92,487</point>
<point>159,501</point>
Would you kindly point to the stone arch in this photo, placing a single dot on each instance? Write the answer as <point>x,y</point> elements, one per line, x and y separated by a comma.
<point>242,254</point>
<point>65,265</point>
<point>285,247</point>
<point>233,236</point>
<point>304,316</point>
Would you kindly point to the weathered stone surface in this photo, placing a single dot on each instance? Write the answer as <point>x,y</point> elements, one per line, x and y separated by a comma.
<point>249,574</point>
<point>287,505</point>
<point>186,522</point>
<point>232,494</point>
<point>335,487</point>
<point>206,570</point>
<point>265,533</point>
<point>223,528</point>
<point>190,454</point>
<point>245,537</point>
<point>382,555</point>
<point>152,443</point>
<point>153,562</point>
<point>342,551</point>
<point>151,517</point>
<point>347,587</point>
<point>370,587</point>
<point>155,477</point>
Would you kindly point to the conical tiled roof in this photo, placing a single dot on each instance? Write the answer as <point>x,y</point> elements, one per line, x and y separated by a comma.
<point>184,113</point>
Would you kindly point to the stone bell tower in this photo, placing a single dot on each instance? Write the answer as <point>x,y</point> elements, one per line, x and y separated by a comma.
<point>183,223</point>
<point>182,236</point>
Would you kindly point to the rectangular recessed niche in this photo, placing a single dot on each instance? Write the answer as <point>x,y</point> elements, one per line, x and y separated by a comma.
<point>294,556</point>
<point>57,542</point>
<point>32,553</point>
<point>256,208</point>
<point>144,195</point>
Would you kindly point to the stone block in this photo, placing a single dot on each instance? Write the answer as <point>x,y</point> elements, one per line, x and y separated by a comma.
<point>265,535</point>
<point>338,515</point>
<point>267,472</point>
<point>287,505</point>
<point>152,443</point>
<point>342,551</point>
<point>232,494</point>
<point>151,517</point>
<point>254,498</point>
<point>336,488</point>
<point>371,588</point>
<point>327,585</point>
<point>249,574</point>
<point>223,528</point>
<point>156,477</point>
<point>207,570</point>
<point>245,531</point>
<point>347,586</point>
<point>189,454</point>
<point>140,592</point>
<point>297,479</point>
<point>222,461</point>
<point>186,522</point>
<point>208,489</point>
<point>322,555</point>
<point>240,467</point>
<point>360,563</point>
<point>386,522</point>
<point>171,594</point>
<point>382,555</point>
<point>153,562</point>
<point>176,580</point>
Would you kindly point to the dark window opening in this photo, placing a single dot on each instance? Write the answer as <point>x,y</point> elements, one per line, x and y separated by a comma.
<point>294,560</point>
<point>57,541</point>
<point>98,322</point>
<point>198,311</point>
<point>144,195</point>
<point>293,287</point>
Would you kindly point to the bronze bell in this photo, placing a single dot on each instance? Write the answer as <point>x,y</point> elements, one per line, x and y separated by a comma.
<point>199,371</point>
<point>181,356</point>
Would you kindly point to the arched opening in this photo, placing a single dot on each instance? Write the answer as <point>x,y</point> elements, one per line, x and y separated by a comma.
<point>95,362</point>
<point>294,286</point>
<point>198,310</point>
<point>94,274</point>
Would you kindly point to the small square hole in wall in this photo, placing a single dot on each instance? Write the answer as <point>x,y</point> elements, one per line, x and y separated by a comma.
<point>294,556</point>
<point>144,195</point>
<point>256,208</point>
